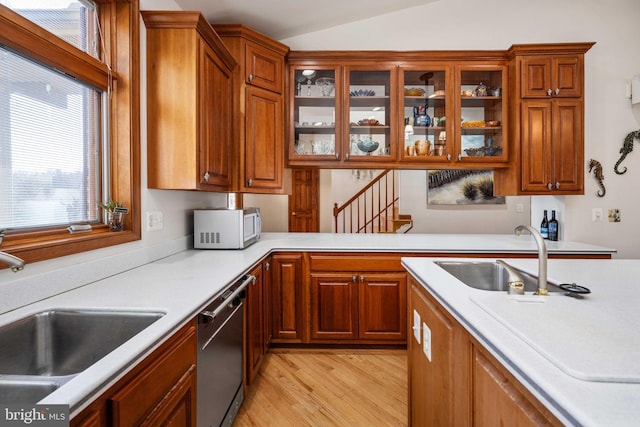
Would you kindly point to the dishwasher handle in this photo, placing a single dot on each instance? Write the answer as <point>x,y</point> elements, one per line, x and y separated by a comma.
<point>212,314</point>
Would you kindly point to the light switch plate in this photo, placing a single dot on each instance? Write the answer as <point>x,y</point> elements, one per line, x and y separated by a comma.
<point>426,341</point>
<point>416,326</point>
<point>155,221</point>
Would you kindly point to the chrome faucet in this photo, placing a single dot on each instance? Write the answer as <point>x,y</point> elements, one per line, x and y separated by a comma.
<point>542,257</point>
<point>14,262</point>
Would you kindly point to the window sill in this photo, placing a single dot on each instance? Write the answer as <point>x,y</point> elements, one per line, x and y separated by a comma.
<point>35,247</point>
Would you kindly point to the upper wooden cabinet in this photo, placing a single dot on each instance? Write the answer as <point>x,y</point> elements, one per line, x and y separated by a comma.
<point>189,102</point>
<point>258,109</point>
<point>547,112</point>
<point>393,109</point>
<point>558,76</point>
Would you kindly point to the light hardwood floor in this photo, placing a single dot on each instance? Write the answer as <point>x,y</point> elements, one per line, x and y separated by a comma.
<point>327,387</point>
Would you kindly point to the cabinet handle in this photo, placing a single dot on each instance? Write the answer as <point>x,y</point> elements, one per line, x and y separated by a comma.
<point>250,77</point>
<point>354,278</point>
<point>206,176</point>
<point>267,266</point>
<point>550,186</point>
<point>459,157</point>
<point>346,156</point>
<point>361,279</point>
<point>293,214</point>
<point>250,182</point>
<point>557,185</point>
<point>557,91</point>
<point>549,92</point>
<point>338,156</point>
<point>448,156</point>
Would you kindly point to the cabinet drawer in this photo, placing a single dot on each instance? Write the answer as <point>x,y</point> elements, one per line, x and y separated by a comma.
<point>353,262</point>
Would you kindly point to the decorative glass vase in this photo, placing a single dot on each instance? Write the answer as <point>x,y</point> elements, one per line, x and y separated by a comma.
<point>115,221</point>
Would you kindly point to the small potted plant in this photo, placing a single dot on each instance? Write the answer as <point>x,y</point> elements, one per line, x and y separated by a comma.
<point>114,211</point>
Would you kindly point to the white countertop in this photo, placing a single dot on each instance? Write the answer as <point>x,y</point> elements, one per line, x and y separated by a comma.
<point>181,285</point>
<point>565,351</point>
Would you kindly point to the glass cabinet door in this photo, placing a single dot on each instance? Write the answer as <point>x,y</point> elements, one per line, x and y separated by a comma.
<point>483,114</point>
<point>314,114</point>
<point>369,115</point>
<point>424,114</point>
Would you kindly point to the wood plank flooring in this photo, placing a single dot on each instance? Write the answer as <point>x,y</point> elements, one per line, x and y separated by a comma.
<point>328,387</point>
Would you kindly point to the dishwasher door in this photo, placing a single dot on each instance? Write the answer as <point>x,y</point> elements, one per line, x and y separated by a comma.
<point>220,363</point>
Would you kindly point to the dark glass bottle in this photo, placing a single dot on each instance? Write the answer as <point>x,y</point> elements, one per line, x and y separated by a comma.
<point>544,226</point>
<point>553,227</point>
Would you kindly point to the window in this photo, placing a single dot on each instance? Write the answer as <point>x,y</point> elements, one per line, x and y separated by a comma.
<point>69,123</point>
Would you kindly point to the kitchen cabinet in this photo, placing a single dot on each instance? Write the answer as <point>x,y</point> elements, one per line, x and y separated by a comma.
<point>161,390</point>
<point>438,355</point>
<point>455,115</point>
<point>257,323</point>
<point>454,380</point>
<point>545,76</point>
<point>548,121</point>
<point>189,103</point>
<point>287,297</point>
<point>258,109</point>
<point>397,109</point>
<point>357,299</point>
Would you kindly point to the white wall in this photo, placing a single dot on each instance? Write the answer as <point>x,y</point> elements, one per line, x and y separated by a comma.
<point>497,24</point>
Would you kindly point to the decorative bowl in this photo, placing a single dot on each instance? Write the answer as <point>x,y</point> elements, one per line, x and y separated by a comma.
<point>414,91</point>
<point>368,122</point>
<point>326,85</point>
<point>362,92</point>
<point>368,146</point>
<point>492,123</point>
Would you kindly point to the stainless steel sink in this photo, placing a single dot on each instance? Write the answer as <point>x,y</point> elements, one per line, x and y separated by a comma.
<point>41,352</point>
<point>489,276</point>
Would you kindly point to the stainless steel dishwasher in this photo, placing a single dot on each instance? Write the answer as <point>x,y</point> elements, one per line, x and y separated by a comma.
<point>220,359</point>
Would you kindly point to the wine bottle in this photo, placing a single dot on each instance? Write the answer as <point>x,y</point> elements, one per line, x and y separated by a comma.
<point>544,226</point>
<point>553,227</point>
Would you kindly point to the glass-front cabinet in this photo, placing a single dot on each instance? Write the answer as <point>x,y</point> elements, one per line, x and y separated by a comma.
<point>316,109</point>
<point>414,113</point>
<point>479,134</point>
<point>426,106</point>
<point>369,112</point>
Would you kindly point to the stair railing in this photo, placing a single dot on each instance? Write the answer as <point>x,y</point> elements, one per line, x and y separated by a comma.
<point>370,208</point>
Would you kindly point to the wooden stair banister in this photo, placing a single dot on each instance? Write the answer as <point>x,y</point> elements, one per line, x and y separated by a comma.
<point>367,211</point>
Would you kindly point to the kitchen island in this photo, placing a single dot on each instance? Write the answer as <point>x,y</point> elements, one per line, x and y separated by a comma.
<point>579,357</point>
<point>182,284</point>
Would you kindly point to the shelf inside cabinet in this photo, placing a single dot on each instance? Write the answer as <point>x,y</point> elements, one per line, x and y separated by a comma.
<point>315,101</point>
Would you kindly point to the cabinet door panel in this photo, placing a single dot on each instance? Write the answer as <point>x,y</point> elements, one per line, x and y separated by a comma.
<point>536,77</point>
<point>496,402</point>
<point>435,379</point>
<point>382,306</point>
<point>214,121</point>
<point>264,155</point>
<point>264,68</point>
<point>568,151</point>
<point>287,297</point>
<point>254,325</point>
<point>536,145</point>
<point>334,309</point>
<point>568,76</point>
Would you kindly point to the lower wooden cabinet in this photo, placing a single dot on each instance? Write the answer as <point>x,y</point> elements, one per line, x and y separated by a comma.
<point>357,298</point>
<point>257,319</point>
<point>458,382</point>
<point>287,299</point>
<point>358,306</point>
<point>160,391</point>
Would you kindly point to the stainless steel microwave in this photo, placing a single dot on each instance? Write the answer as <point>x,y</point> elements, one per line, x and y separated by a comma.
<point>226,228</point>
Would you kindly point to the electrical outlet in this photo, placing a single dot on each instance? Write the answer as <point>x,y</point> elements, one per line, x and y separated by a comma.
<point>596,214</point>
<point>426,341</point>
<point>519,207</point>
<point>154,221</point>
<point>416,326</point>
